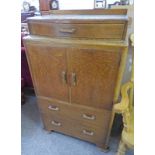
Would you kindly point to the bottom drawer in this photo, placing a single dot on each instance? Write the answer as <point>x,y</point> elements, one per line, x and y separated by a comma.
<point>76,128</point>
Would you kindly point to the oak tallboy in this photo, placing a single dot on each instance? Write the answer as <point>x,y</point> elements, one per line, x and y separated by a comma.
<point>77,62</point>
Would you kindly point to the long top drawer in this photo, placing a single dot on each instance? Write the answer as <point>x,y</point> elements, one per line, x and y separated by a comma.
<point>80,26</point>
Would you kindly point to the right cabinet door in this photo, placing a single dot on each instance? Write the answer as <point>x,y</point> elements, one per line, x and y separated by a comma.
<point>93,76</point>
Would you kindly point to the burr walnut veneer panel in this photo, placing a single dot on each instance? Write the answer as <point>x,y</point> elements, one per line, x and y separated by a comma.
<point>48,66</point>
<point>96,74</point>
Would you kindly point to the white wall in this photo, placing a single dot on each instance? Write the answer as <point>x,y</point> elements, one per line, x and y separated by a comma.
<point>76,4</point>
<point>79,4</point>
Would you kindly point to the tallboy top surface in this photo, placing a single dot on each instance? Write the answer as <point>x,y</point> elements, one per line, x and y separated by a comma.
<point>80,17</point>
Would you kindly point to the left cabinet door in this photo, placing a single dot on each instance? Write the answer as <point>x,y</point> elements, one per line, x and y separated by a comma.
<point>48,66</point>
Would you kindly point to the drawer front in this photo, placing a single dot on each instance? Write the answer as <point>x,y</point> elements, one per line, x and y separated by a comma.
<point>74,128</point>
<point>92,31</point>
<point>86,115</point>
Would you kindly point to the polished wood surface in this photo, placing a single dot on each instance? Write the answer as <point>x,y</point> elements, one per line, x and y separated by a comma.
<point>79,18</point>
<point>79,61</point>
<point>47,66</point>
<point>77,64</point>
<point>108,45</point>
<point>80,26</point>
<point>98,31</point>
<point>91,12</point>
<point>96,73</point>
<point>79,121</point>
<point>75,128</point>
<point>85,114</point>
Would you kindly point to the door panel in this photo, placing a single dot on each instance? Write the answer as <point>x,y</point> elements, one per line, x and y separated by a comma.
<point>93,75</point>
<point>48,68</point>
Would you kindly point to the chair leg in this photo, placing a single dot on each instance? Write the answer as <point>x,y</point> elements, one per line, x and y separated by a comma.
<point>121,148</point>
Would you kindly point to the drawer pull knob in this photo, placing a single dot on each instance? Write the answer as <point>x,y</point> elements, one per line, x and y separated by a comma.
<point>53,108</point>
<point>56,123</point>
<point>66,30</point>
<point>86,132</point>
<point>90,117</point>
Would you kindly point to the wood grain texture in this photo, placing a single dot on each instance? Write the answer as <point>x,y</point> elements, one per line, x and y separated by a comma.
<point>96,72</point>
<point>92,31</point>
<point>95,11</point>
<point>100,47</point>
<point>77,63</point>
<point>108,45</point>
<point>68,119</point>
<point>83,26</point>
<point>85,114</point>
<point>120,74</point>
<point>72,128</point>
<point>47,65</point>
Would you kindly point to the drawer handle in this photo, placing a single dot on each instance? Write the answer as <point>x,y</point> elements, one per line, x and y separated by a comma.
<point>65,30</point>
<point>64,77</point>
<point>86,132</point>
<point>56,123</point>
<point>53,108</point>
<point>90,117</point>
<point>74,79</point>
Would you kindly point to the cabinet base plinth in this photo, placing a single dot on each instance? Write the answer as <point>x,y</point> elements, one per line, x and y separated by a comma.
<point>48,130</point>
<point>103,147</point>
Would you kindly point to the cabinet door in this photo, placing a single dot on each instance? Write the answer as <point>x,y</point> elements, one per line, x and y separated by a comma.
<point>49,70</point>
<point>93,75</point>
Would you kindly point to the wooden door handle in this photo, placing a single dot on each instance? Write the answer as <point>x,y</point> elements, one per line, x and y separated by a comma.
<point>67,30</point>
<point>74,79</point>
<point>64,77</point>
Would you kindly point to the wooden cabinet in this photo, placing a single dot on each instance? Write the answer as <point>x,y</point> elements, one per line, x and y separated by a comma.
<point>77,80</point>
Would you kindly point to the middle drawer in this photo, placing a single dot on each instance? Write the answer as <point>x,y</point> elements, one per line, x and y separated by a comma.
<point>86,114</point>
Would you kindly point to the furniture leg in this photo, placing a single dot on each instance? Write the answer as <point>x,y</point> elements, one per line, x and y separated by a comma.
<point>103,147</point>
<point>47,130</point>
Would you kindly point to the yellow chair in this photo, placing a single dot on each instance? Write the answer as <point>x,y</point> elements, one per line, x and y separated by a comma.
<point>127,111</point>
<point>126,108</point>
